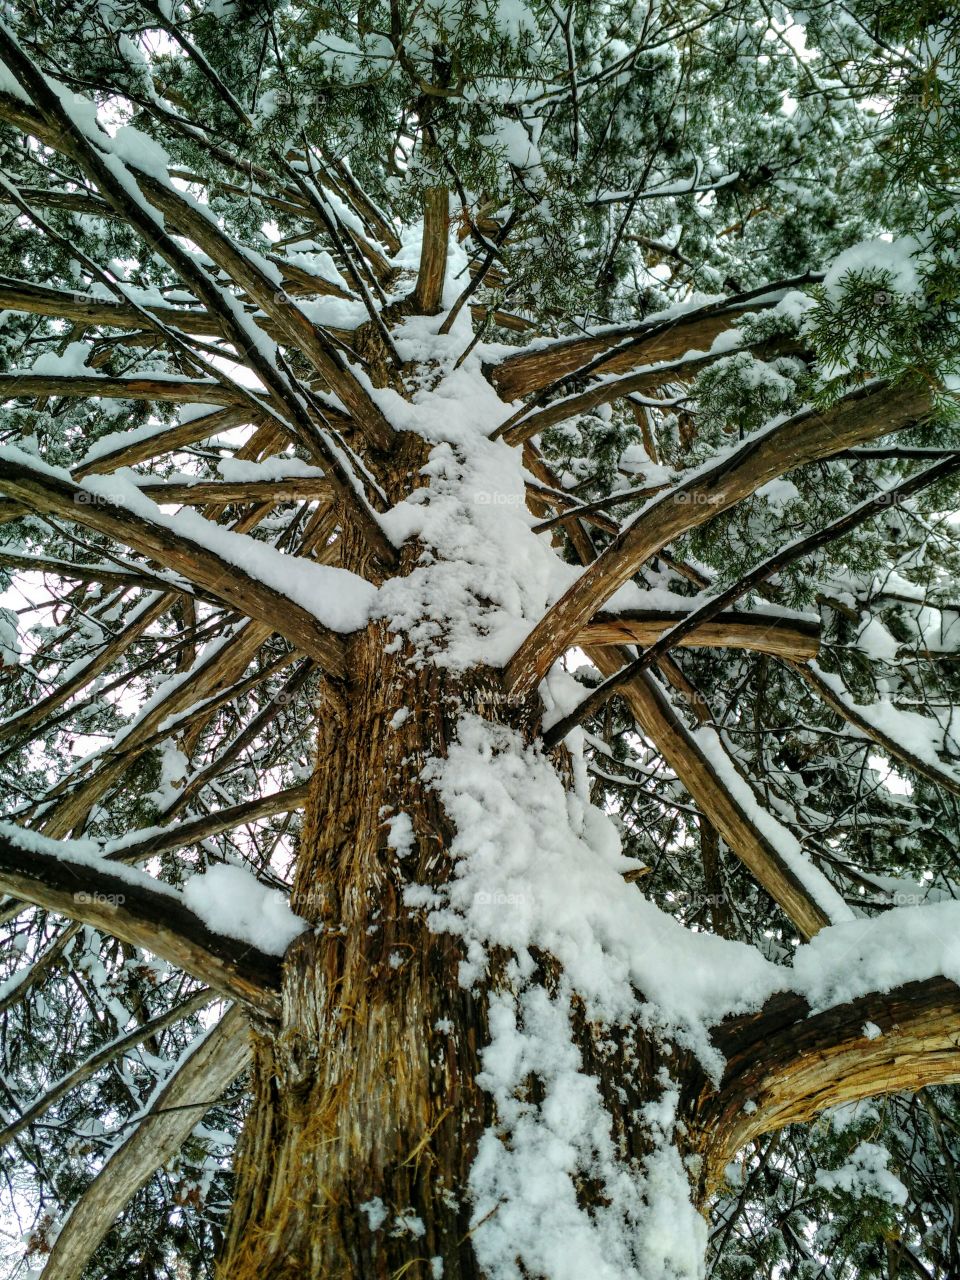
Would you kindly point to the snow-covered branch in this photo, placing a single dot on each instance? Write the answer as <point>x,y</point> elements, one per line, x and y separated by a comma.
<point>73,881</point>
<point>233,567</point>
<point>785,1064</point>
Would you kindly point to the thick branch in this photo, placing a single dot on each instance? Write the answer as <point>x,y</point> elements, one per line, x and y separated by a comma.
<point>874,411</point>
<point>213,1063</point>
<point>734,629</point>
<point>155,919</point>
<point>790,1065</point>
<point>226,581</point>
<point>627,346</point>
<point>657,720</point>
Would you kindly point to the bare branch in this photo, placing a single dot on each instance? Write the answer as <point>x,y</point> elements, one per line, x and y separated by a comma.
<point>733,629</point>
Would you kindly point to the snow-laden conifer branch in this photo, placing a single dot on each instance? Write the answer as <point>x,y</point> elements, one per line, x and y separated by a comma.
<point>767,849</point>
<point>765,846</point>
<point>68,802</point>
<point>140,189</point>
<point>906,736</point>
<point>148,842</point>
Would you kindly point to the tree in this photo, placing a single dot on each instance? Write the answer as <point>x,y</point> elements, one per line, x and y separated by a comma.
<point>520,439</point>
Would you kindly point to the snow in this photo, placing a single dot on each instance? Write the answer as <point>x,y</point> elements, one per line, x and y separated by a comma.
<point>9,638</point>
<point>527,1220</point>
<point>134,435</point>
<point>173,770</point>
<point>71,363</point>
<point>340,600</point>
<point>906,944</point>
<point>408,1224</point>
<point>401,837</point>
<point>916,734</point>
<point>484,577</point>
<point>540,867</point>
<point>896,259</point>
<point>232,901</point>
<point>376,1213</point>
<point>278,467</point>
<point>865,1173</point>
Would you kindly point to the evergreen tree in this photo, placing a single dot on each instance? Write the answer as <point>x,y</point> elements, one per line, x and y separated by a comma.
<point>478,488</point>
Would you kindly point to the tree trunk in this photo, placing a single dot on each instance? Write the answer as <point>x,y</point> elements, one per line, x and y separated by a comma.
<point>366,1112</point>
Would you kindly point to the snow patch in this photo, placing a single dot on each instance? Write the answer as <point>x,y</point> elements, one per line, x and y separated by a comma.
<point>232,901</point>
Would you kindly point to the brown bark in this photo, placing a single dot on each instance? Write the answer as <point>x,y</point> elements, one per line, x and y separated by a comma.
<point>433,256</point>
<point>785,1064</point>
<point>369,1088</point>
<point>733,629</point>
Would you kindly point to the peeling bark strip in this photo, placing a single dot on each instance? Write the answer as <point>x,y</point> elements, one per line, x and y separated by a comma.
<point>873,411</point>
<point>155,919</point>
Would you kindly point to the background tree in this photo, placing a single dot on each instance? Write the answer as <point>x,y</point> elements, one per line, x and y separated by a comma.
<point>479,654</point>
